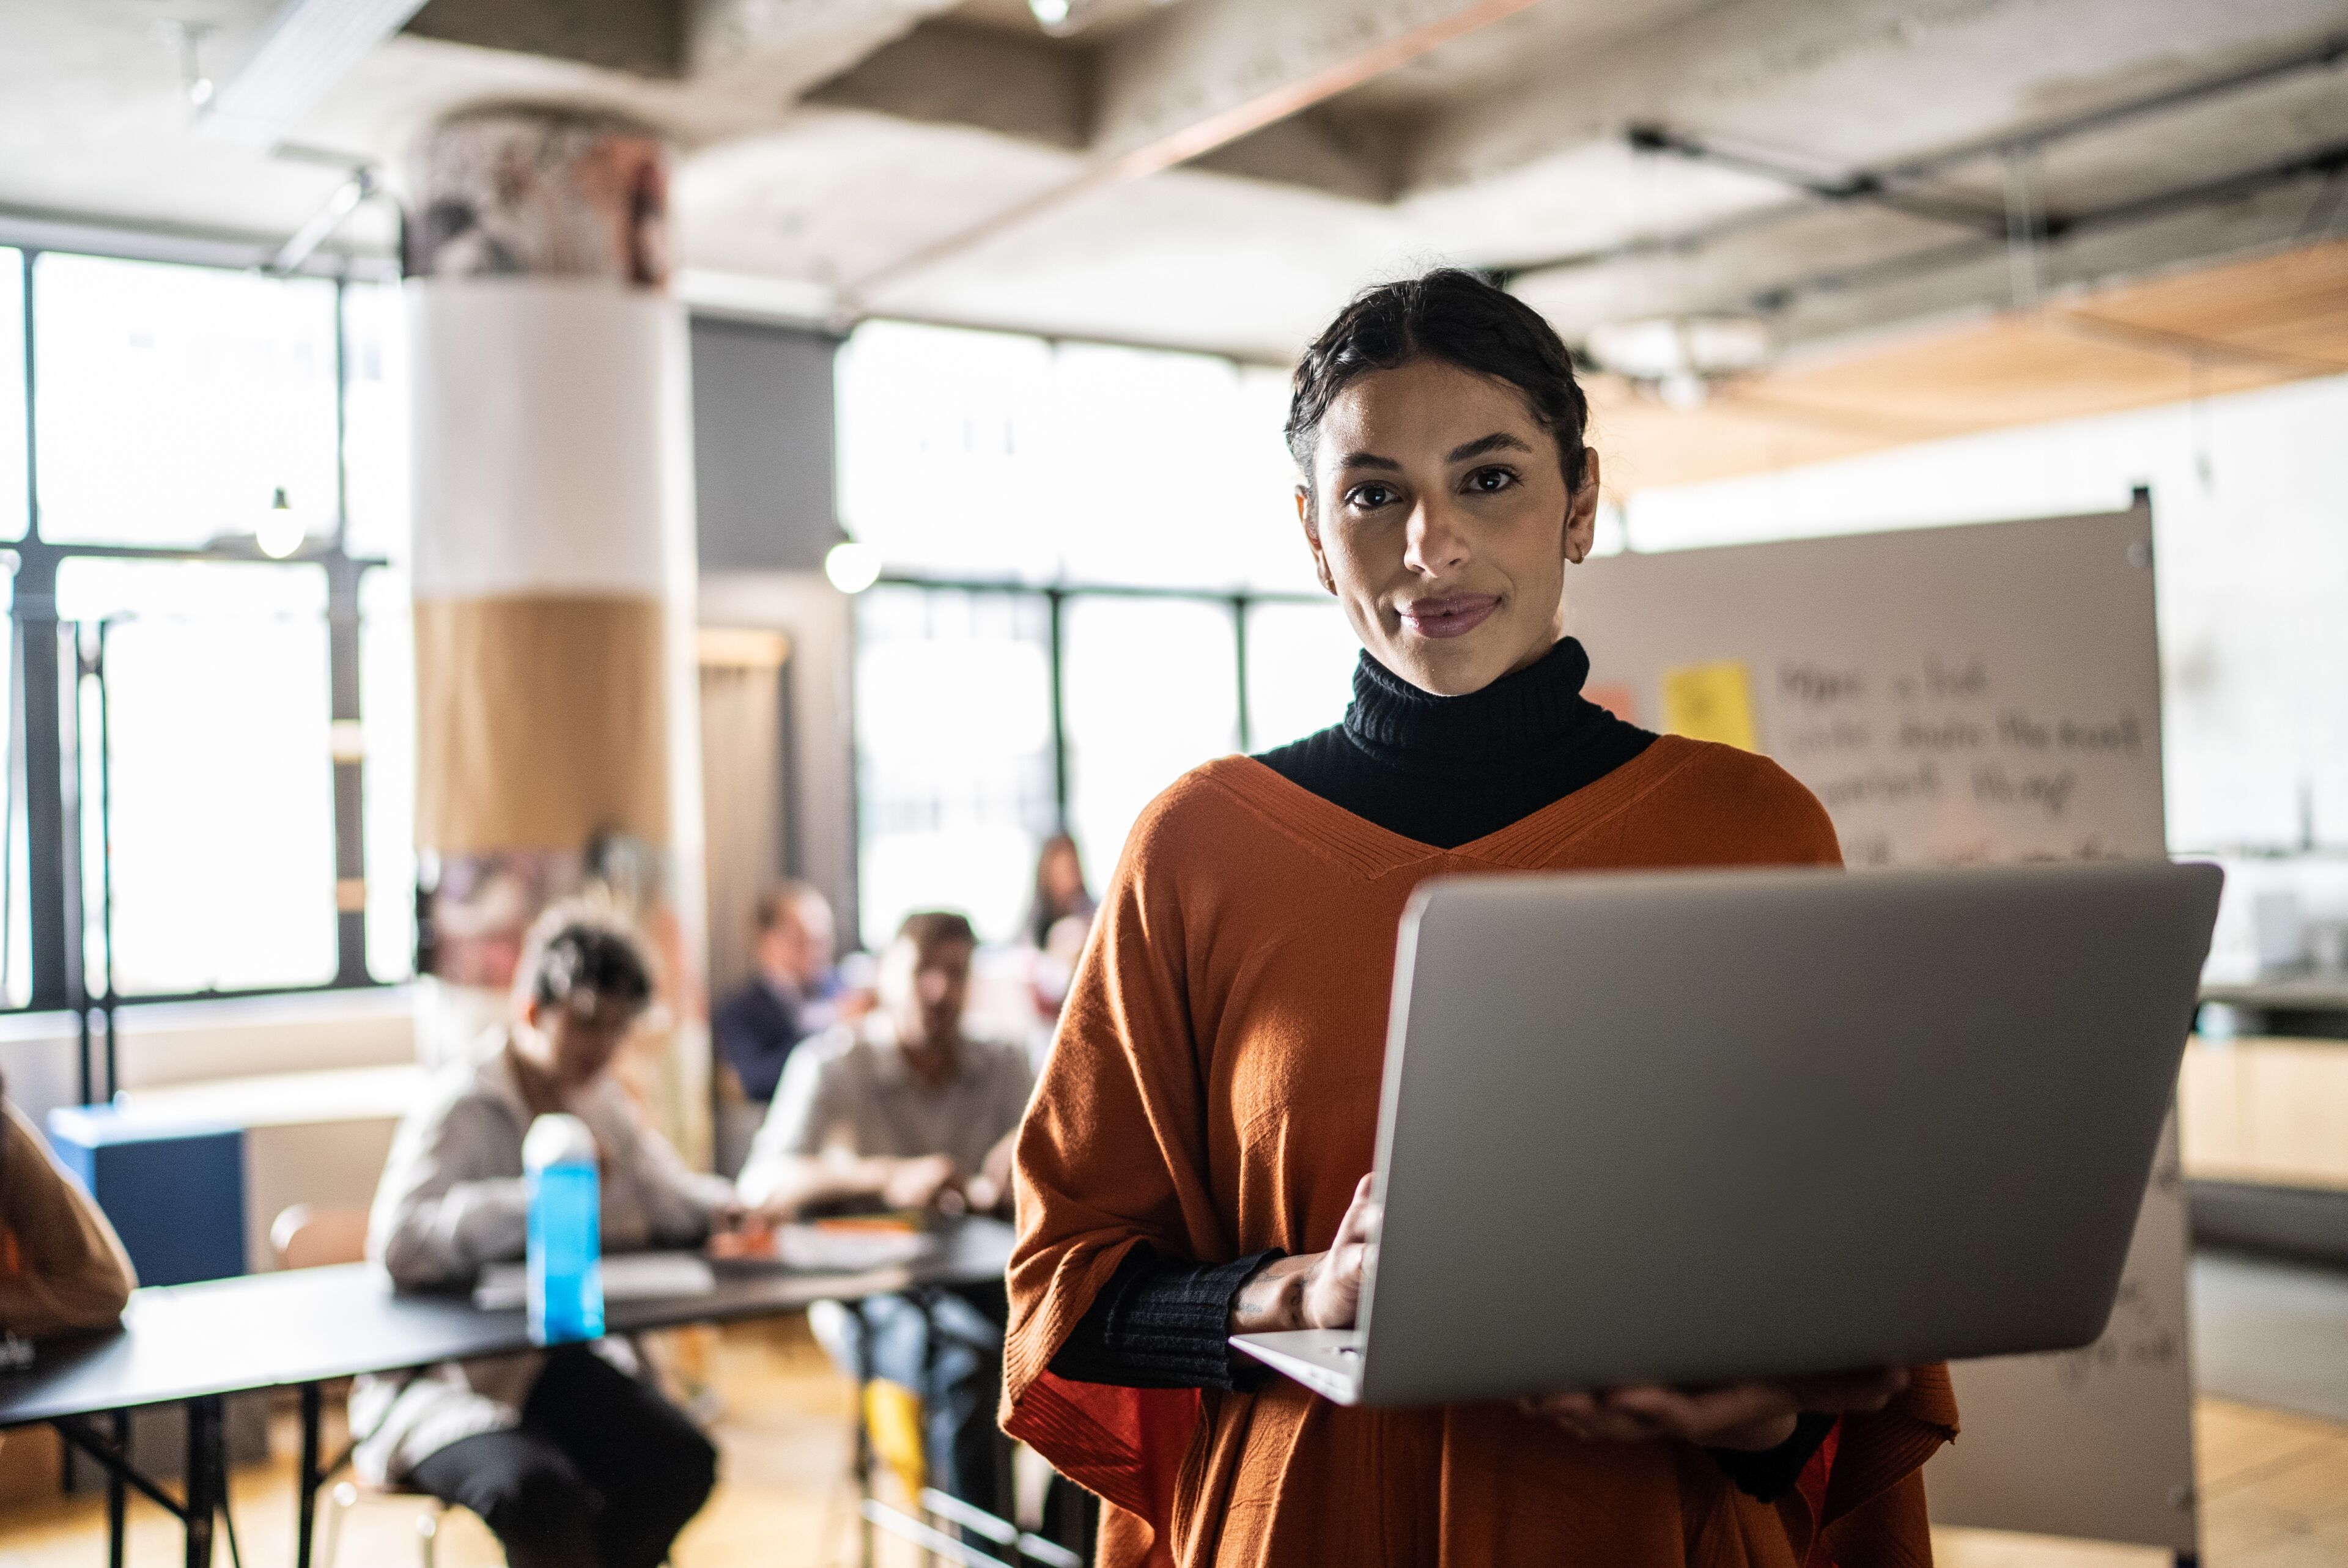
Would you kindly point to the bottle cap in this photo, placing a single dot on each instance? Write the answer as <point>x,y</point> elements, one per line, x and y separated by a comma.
<point>557,1139</point>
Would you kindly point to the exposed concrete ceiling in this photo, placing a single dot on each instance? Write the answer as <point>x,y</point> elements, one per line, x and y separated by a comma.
<point>1222,173</point>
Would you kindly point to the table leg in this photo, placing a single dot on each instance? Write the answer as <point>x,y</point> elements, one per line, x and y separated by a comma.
<point>307,1489</point>
<point>117,1495</point>
<point>927,1301</point>
<point>207,1468</point>
<point>863,1436</point>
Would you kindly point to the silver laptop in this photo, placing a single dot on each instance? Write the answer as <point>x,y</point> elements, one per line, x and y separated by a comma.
<point>1688,1127</point>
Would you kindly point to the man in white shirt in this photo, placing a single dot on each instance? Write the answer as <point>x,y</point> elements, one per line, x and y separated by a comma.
<point>570,1455</point>
<point>905,1111</point>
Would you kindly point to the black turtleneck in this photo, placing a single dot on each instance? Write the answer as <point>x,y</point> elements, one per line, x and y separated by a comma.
<point>1441,771</point>
<point>1448,769</point>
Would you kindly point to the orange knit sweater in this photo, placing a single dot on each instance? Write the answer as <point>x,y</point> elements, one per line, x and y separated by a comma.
<point>1214,1090</point>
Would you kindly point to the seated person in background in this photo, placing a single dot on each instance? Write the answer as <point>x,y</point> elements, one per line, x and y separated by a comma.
<point>904,1111</point>
<point>788,999</point>
<point>62,1268</point>
<point>571,1456</point>
<point>1059,919</point>
<point>1060,891</point>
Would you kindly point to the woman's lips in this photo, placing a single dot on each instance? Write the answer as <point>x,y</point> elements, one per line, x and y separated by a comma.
<point>1453,615</point>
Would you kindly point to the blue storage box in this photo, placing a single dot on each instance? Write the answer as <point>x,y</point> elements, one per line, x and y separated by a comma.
<point>174,1189</point>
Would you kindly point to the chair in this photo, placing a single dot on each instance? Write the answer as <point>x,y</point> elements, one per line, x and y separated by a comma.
<point>307,1236</point>
<point>889,1433</point>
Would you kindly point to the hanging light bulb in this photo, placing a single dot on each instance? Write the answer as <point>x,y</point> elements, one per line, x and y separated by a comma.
<point>279,533</point>
<point>853,567</point>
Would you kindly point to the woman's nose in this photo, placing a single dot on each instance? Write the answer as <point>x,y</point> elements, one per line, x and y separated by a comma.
<point>1434,543</point>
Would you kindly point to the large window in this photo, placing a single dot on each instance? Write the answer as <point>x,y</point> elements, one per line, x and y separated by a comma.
<point>993,456</point>
<point>1095,582</point>
<point>12,395</point>
<point>174,403</point>
<point>212,778</point>
<point>208,777</point>
<point>1152,691</point>
<point>954,746</point>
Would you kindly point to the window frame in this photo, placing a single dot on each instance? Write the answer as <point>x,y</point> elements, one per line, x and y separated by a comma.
<point>56,662</point>
<point>1056,597</point>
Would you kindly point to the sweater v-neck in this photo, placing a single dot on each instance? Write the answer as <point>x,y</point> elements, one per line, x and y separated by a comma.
<point>1463,775</point>
<point>1532,840</point>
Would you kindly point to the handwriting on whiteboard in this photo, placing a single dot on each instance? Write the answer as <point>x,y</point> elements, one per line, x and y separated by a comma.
<point>1930,761</point>
<point>2147,1323</point>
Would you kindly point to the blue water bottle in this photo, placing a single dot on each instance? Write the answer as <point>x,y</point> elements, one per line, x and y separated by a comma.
<point>566,1230</point>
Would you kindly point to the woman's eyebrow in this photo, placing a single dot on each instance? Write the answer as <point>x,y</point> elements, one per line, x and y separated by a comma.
<point>1370,460</point>
<point>1498,441</point>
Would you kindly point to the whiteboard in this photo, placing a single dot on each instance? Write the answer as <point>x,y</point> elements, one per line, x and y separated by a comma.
<point>1958,696</point>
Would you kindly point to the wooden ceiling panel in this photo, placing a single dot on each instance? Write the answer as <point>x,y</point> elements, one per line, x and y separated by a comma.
<point>2229,328</point>
<point>2294,306</point>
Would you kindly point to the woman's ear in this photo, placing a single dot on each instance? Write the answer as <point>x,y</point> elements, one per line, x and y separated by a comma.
<point>1313,539</point>
<point>1581,514</point>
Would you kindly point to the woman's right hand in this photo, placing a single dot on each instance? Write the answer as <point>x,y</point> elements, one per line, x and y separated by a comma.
<point>1332,1286</point>
<point>1313,1290</point>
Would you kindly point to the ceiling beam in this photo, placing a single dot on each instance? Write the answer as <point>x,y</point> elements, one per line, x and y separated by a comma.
<point>780,49</point>
<point>955,73</point>
<point>642,38</point>
<point>1972,76</point>
<point>1869,271</point>
<point>1205,74</point>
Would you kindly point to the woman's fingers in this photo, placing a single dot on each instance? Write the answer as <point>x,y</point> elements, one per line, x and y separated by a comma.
<point>1857,1393</point>
<point>1589,1418</point>
<point>1702,1415</point>
<point>1736,1414</point>
<point>1361,1214</point>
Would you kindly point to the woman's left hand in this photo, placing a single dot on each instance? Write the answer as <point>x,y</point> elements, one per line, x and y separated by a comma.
<point>1752,1416</point>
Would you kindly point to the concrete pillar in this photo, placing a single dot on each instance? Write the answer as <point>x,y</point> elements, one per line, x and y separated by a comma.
<point>553,564</point>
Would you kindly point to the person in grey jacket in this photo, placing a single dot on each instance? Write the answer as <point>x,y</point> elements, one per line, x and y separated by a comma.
<point>570,1455</point>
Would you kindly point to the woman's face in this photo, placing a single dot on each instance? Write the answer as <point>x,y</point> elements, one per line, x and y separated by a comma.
<point>1439,517</point>
<point>1062,879</point>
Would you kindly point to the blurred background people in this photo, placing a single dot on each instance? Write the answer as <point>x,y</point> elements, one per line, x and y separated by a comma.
<point>571,1456</point>
<point>1059,919</point>
<point>904,1110</point>
<point>62,1267</point>
<point>791,996</point>
<point>1060,890</point>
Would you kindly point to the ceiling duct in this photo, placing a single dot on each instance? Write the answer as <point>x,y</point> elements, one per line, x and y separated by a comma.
<point>1681,357</point>
<point>306,49</point>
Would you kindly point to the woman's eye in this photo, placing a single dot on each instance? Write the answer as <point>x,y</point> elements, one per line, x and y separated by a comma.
<point>1369,496</point>
<point>1491,481</point>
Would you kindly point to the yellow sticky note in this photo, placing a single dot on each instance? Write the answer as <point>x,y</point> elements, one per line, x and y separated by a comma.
<point>1711,703</point>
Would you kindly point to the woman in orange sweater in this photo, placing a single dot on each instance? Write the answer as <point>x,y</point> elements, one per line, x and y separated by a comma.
<point>1193,1162</point>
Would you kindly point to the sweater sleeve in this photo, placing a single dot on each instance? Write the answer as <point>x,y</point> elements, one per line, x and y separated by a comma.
<point>62,1267</point>
<point>1160,1323</point>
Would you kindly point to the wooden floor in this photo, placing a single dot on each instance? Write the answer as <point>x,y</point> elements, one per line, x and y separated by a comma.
<point>2274,1493</point>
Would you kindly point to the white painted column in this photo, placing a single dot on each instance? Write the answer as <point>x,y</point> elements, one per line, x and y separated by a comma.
<point>554,566</point>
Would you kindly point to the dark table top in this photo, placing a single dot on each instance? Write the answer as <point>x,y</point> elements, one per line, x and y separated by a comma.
<point>304,1326</point>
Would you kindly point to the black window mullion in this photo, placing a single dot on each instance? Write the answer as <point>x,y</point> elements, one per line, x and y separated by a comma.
<point>51,922</point>
<point>343,576</point>
<point>1239,664</point>
<point>1057,605</point>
